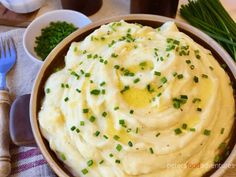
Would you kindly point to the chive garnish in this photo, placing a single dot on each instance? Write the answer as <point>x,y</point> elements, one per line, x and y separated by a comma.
<point>207,132</point>
<point>106,137</point>
<point>85,110</point>
<point>184,126</point>
<point>73,128</point>
<point>97,133</point>
<point>84,171</point>
<point>136,80</point>
<point>116,137</point>
<point>95,92</point>
<point>178,131</point>
<point>119,147</point>
<point>48,90</point>
<point>101,162</point>
<point>192,129</point>
<point>90,163</point>
<point>158,134</point>
<point>87,75</point>
<point>157,73</point>
<point>163,80</point>
<point>116,108</point>
<point>122,122</point>
<point>81,123</point>
<point>63,157</point>
<point>199,109</point>
<point>92,118</point>
<point>111,155</point>
<point>195,79</point>
<point>222,130</point>
<point>78,90</point>
<point>131,111</point>
<point>103,83</point>
<point>151,150</point>
<point>113,55</point>
<point>130,144</point>
<point>117,161</point>
<point>104,114</point>
<point>66,99</point>
<point>180,76</point>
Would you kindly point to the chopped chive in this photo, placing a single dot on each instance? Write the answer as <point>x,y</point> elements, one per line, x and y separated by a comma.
<point>116,66</point>
<point>103,91</point>
<point>81,123</point>
<point>92,118</point>
<point>116,137</point>
<point>77,130</point>
<point>180,76</point>
<point>116,108</point>
<point>119,147</point>
<point>95,92</point>
<point>101,162</point>
<point>136,130</point>
<point>163,80</point>
<point>48,90</point>
<point>128,130</point>
<point>97,133</point>
<point>111,155</point>
<point>85,110</point>
<point>117,161</point>
<point>114,55</point>
<point>207,132</point>
<point>199,109</point>
<point>66,99</point>
<point>178,131</point>
<point>84,171</point>
<point>103,83</point>
<point>79,91</point>
<point>174,74</point>
<point>158,134</point>
<point>130,144</point>
<point>62,85</point>
<point>124,89</point>
<point>87,75</point>
<point>211,68</point>
<point>184,126</point>
<point>195,79</point>
<point>104,114</point>
<point>192,129</point>
<point>188,61</point>
<point>73,128</point>
<point>222,130</point>
<point>90,163</point>
<point>106,137</point>
<point>67,85</point>
<point>159,94</point>
<point>157,73</point>
<point>195,100</point>
<point>63,157</point>
<point>131,111</point>
<point>151,150</point>
<point>204,76</point>
<point>122,122</point>
<point>136,80</point>
<point>192,67</point>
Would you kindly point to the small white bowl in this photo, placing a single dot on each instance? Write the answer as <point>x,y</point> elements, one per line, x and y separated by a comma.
<point>34,29</point>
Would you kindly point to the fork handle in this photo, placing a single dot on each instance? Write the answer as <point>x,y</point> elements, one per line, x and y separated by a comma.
<point>5,160</point>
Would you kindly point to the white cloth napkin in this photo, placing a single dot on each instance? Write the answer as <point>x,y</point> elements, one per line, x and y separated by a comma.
<point>26,162</point>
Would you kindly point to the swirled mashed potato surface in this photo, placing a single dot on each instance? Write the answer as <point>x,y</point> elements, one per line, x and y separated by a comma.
<point>137,101</point>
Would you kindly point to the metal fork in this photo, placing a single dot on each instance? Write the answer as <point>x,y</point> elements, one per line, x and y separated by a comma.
<point>7,60</point>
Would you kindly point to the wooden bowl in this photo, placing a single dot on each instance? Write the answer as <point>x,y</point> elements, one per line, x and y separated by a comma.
<point>56,59</point>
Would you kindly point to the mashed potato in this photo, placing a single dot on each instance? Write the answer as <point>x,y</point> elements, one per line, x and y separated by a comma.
<point>133,101</point>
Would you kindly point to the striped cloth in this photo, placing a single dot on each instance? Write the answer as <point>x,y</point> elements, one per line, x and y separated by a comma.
<point>29,162</point>
<point>26,161</point>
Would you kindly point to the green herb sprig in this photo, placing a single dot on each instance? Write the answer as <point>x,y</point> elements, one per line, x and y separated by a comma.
<point>211,17</point>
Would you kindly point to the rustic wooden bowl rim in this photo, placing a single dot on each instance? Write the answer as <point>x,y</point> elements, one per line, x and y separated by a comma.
<point>33,111</point>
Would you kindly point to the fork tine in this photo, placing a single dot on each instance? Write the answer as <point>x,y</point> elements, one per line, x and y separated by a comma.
<point>12,47</point>
<point>2,48</point>
<point>6,46</point>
